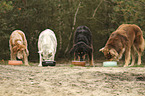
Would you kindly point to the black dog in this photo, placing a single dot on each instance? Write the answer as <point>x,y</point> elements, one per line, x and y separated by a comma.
<point>82,44</point>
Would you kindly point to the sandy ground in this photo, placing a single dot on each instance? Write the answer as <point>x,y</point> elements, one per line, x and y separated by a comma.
<point>67,80</point>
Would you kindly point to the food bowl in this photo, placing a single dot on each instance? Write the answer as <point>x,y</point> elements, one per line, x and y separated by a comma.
<point>79,63</point>
<point>15,62</point>
<point>109,63</point>
<point>48,63</point>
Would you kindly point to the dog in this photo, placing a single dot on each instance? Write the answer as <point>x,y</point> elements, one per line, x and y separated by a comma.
<point>127,38</point>
<point>47,44</point>
<point>82,44</point>
<point>18,46</point>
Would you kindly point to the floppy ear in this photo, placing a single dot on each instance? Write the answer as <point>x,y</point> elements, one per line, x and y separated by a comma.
<point>15,49</point>
<point>72,50</point>
<point>113,52</point>
<point>87,48</point>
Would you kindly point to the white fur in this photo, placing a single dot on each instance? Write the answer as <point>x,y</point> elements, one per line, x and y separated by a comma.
<point>47,45</point>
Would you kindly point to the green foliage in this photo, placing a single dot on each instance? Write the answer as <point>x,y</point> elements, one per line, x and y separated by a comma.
<point>5,6</point>
<point>128,11</point>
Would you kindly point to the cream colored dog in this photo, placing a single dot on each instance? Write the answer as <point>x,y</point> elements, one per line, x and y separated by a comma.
<point>18,46</point>
<point>47,44</point>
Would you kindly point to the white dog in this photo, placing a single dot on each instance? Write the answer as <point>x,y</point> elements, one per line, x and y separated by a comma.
<point>18,46</point>
<point>47,45</point>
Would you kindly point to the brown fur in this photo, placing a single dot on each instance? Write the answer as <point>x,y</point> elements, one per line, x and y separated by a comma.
<point>127,38</point>
<point>18,46</point>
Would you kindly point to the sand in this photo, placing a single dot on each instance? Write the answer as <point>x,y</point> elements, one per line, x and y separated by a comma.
<point>67,80</point>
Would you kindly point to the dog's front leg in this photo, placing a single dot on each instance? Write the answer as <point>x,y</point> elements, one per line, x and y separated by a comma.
<point>121,53</point>
<point>91,60</point>
<point>75,57</point>
<point>25,58</point>
<point>40,61</point>
<point>127,57</point>
<point>53,57</point>
<point>27,52</point>
<point>13,56</point>
<point>133,55</point>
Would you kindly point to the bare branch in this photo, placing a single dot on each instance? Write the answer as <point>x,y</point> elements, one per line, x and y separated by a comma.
<point>74,23</point>
<point>97,8</point>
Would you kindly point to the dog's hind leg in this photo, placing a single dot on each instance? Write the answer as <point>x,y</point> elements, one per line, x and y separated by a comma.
<point>139,52</point>
<point>139,58</point>
<point>140,48</point>
<point>133,49</point>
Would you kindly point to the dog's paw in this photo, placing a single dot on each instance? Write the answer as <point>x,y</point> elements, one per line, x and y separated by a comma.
<point>40,65</point>
<point>27,64</point>
<point>125,66</point>
<point>131,65</point>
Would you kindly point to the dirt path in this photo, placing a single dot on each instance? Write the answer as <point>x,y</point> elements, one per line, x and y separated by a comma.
<point>71,81</point>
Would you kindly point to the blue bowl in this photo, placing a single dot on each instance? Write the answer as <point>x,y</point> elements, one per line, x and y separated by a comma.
<point>109,63</point>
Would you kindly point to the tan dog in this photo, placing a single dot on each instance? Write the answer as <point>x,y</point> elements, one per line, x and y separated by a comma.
<point>127,38</point>
<point>18,46</point>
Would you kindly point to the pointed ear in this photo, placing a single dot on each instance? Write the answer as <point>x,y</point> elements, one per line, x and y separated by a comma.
<point>113,52</point>
<point>102,49</point>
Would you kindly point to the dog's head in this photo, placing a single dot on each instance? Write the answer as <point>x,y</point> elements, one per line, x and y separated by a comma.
<point>46,52</point>
<point>19,51</point>
<point>80,49</point>
<point>110,54</point>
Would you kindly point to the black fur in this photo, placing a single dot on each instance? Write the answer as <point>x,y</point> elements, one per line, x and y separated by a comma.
<point>82,43</point>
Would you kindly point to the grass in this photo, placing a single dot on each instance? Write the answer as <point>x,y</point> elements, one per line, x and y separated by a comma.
<point>138,65</point>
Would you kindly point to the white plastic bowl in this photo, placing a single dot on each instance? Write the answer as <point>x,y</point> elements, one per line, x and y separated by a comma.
<point>109,63</point>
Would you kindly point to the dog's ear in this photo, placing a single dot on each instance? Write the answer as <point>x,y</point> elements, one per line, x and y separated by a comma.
<point>72,50</point>
<point>15,49</point>
<point>104,50</point>
<point>88,48</point>
<point>113,52</point>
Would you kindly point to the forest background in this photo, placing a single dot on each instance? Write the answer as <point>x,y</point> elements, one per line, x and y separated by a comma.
<point>63,17</point>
